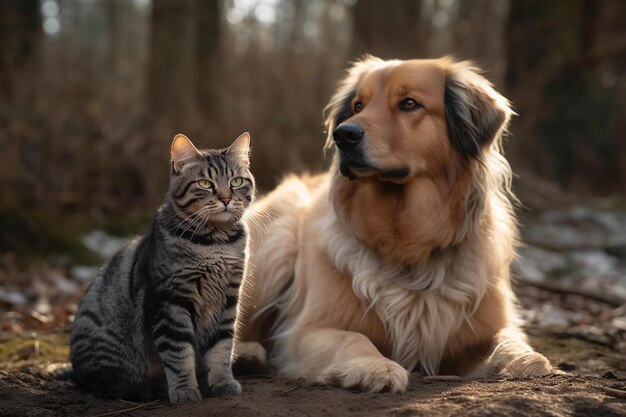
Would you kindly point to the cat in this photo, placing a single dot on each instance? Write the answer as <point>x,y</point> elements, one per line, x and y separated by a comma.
<point>163,309</point>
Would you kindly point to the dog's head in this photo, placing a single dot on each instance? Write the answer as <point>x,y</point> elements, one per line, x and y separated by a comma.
<point>397,120</point>
<point>416,137</point>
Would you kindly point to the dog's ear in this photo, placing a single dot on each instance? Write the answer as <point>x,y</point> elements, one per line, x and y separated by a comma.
<point>475,113</point>
<point>339,108</point>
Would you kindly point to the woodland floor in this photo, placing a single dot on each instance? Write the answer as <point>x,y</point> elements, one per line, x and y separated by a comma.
<point>572,289</point>
<point>594,359</point>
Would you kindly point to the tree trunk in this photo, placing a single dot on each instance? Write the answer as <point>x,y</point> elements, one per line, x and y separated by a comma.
<point>535,54</point>
<point>172,77</point>
<point>21,37</point>
<point>479,35</point>
<point>388,29</point>
<point>559,80</point>
<point>113,11</point>
<point>607,58</point>
<point>209,30</point>
<point>20,41</point>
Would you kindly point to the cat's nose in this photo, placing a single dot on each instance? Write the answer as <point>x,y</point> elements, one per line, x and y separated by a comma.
<point>225,200</point>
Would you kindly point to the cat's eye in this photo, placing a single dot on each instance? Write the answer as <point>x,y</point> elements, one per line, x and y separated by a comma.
<point>206,184</point>
<point>236,182</point>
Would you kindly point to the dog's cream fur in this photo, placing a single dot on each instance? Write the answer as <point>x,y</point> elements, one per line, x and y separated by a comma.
<point>352,283</point>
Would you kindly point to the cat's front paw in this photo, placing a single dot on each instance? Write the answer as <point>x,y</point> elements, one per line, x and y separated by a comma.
<point>184,395</point>
<point>231,387</point>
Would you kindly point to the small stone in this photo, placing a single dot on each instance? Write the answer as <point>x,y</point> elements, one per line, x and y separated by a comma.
<point>619,323</point>
<point>609,375</point>
<point>29,351</point>
<point>566,366</point>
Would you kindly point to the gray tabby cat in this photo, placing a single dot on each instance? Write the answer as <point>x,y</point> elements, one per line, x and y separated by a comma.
<point>162,310</point>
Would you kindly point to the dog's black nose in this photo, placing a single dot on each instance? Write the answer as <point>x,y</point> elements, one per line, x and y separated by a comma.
<point>347,136</point>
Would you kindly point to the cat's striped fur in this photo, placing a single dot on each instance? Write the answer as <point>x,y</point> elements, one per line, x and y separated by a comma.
<point>160,315</point>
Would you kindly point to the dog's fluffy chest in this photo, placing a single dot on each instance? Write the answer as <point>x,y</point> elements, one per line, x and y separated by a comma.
<point>420,307</point>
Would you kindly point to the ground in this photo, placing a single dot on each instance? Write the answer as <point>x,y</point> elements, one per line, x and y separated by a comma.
<point>594,364</point>
<point>571,281</point>
<point>23,394</point>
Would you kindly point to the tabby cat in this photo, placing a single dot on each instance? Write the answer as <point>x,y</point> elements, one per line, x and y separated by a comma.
<point>160,315</point>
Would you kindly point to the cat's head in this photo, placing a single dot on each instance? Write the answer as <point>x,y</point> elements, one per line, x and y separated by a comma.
<point>211,186</point>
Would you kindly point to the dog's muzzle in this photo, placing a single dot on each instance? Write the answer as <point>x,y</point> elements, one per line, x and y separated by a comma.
<point>349,139</point>
<point>348,136</point>
<point>353,160</point>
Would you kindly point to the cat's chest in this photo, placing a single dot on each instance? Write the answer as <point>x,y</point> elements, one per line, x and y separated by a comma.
<point>205,281</point>
<point>208,278</point>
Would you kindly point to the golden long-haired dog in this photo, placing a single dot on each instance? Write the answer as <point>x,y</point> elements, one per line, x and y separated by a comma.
<point>397,258</point>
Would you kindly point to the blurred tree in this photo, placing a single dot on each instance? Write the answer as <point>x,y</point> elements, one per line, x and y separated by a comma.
<point>388,30</point>
<point>20,40</point>
<point>479,36</point>
<point>208,33</point>
<point>607,58</point>
<point>567,117</point>
<point>113,10</point>
<point>21,37</point>
<point>171,90</point>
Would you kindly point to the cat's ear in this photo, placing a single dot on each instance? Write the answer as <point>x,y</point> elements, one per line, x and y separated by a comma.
<point>241,148</point>
<point>183,151</point>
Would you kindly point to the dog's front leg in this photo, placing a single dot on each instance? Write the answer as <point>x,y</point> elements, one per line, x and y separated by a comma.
<point>342,358</point>
<point>512,356</point>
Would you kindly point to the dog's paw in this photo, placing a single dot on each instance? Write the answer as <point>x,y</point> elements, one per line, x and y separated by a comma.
<point>251,351</point>
<point>529,364</point>
<point>371,375</point>
<point>231,387</point>
<point>184,395</point>
<point>251,358</point>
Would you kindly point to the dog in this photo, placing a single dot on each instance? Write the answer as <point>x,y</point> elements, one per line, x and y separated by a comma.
<point>397,258</point>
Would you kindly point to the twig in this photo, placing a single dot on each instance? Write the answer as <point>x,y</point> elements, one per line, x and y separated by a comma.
<point>290,390</point>
<point>448,378</point>
<point>128,402</point>
<point>618,393</point>
<point>126,410</point>
<point>251,376</point>
<point>573,335</point>
<point>610,300</point>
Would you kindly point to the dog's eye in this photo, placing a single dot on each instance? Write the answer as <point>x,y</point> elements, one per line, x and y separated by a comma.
<point>408,104</point>
<point>358,106</point>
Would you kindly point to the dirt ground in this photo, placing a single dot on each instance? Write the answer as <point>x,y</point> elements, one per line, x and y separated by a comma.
<point>595,365</point>
<point>23,393</point>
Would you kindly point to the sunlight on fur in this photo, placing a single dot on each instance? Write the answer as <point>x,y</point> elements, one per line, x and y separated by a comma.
<point>396,259</point>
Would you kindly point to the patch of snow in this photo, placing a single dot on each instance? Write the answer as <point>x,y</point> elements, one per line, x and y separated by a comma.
<point>593,263</point>
<point>12,297</point>
<point>84,273</point>
<point>103,244</point>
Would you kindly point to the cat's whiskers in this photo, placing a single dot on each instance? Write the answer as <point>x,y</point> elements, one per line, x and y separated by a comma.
<point>260,219</point>
<point>178,214</point>
<point>196,217</point>
<point>183,221</point>
<point>201,225</point>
